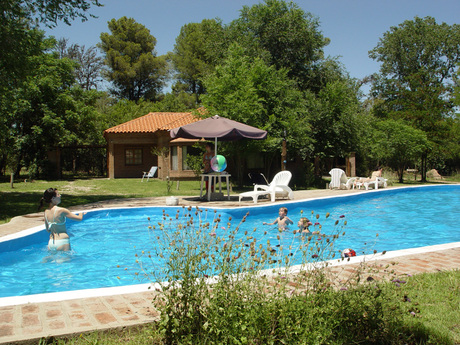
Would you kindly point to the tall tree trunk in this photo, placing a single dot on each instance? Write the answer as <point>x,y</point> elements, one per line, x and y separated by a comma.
<point>423,167</point>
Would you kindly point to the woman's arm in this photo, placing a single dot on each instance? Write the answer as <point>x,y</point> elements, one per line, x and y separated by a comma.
<point>73,216</point>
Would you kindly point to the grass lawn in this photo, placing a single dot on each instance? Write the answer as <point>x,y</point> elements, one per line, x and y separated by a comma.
<point>24,197</point>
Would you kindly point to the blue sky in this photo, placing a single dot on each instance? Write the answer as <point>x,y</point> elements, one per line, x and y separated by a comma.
<point>354,26</point>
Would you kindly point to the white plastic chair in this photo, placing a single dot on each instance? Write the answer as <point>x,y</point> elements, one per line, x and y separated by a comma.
<point>278,187</point>
<point>149,173</point>
<point>340,180</point>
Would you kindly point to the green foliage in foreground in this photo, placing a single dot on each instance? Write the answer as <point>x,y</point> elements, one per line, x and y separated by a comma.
<point>434,298</point>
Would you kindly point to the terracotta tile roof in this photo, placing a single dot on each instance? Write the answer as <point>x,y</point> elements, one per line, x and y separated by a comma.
<point>153,122</point>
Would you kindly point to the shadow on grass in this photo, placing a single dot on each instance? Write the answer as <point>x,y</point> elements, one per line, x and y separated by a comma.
<point>14,204</point>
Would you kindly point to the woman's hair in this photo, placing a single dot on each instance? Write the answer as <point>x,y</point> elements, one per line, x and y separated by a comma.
<point>48,194</point>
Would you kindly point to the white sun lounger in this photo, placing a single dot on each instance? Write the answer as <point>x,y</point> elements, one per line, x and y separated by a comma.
<point>253,194</point>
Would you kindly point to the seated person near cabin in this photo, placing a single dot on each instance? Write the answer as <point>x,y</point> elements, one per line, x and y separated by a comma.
<point>376,173</point>
<point>207,156</point>
<point>283,220</point>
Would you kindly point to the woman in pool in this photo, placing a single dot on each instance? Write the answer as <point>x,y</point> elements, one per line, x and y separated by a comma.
<point>55,218</point>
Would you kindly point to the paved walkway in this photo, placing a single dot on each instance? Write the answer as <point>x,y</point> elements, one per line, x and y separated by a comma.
<point>19,322</point>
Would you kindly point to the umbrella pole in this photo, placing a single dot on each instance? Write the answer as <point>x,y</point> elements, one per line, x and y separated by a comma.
<point>215,147</point>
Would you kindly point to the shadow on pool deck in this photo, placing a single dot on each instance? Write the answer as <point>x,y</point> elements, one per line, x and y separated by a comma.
<point>73,316</point>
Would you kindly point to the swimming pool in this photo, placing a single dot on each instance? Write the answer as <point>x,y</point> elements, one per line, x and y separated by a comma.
<point>105,239</point>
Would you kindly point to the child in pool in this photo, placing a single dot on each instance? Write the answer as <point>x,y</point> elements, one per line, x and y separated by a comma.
<point>283,220</point>
<point>303,225</point>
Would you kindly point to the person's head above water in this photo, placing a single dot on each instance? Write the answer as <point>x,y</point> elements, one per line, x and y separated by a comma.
<point>304,223</point>
<point>50,195</point>
<point>283,211</point>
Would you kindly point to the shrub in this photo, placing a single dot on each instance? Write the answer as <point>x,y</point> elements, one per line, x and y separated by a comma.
<point>221,285</point>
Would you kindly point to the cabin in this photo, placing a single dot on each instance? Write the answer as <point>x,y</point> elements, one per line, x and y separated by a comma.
<point>135,146</point>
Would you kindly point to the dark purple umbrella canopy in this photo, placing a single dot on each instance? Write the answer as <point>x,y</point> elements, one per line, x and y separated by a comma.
<point>220,128</point>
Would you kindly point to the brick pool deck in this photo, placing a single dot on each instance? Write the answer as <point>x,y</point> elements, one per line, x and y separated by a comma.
<point>24,322</point>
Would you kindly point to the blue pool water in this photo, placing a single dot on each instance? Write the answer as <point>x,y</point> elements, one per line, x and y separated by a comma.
<point>107,240</point>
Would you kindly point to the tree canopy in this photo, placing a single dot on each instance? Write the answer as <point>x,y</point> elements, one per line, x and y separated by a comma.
<point>284,36</point>
<point>130,56</point>
<point>419,59</point>
<point>194,54</point>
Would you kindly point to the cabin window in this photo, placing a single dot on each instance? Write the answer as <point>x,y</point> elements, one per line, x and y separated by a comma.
<point>133,156</point>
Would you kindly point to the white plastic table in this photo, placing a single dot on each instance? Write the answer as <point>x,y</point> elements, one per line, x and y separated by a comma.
<point>214,178</point>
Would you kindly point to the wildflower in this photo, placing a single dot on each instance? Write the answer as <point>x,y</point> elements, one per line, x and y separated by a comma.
<point>316,223</point>
<point>412,313</point>
<point>314,256</point>
<point>342,216</point>
<point>212,234</point>
<point>223,227</point>
<point>343,288</point>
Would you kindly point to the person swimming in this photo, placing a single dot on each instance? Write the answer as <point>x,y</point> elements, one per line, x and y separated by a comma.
<point>55,220</point>
<point>303,225</point>
<point>283,220</point>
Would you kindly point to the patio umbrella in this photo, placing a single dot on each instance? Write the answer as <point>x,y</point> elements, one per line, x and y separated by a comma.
<point>217,127</point>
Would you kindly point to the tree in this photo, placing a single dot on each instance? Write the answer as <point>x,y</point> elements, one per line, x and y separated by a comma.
<point>337,124</point>
<point>196,53</point>
<point>284,36</point>
<point>17,18</point>
<point>88,70</point>
<point>249,91</point>
<point>22,77</point>
<point>397,144</point>
<point>419,59</point>
<point>130,56</point>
